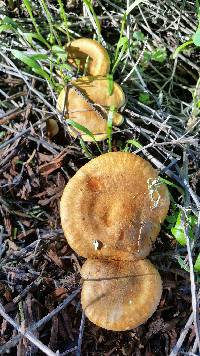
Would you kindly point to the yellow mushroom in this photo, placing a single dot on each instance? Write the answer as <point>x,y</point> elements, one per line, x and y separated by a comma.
<point>89,55</point>
<point>120,295</point>
<point>112,208</point>
<point>87,102</point>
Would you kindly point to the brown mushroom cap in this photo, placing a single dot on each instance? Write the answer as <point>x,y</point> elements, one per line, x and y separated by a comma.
<point>118,295</point>
<point>52,128</point>
<point>85,52</point>
<point>109,210</point>
<point>78,109</point>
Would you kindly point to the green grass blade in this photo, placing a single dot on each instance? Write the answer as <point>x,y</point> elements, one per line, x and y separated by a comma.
<point>84,129</point>
<point>110,84</point>
<point>123,41</point>
<point>53,33</point>
<point>184,265</point>
<point>31,62</point>
<point>197,264</point>
<point>4,28</point>
<point>64,18</point>
<point>85,149</point>
<point>29,36</point>
<point>166,181</point>
<point>8,21</point>
<point>28,6</point>
<point>134,143</point>
<point>109,127</point>
<point>120,53</point>
<point>116,55</point>
<point>29,9</point>
<point>181,48</point>
<point>89,5</point>
<point>178,230</point>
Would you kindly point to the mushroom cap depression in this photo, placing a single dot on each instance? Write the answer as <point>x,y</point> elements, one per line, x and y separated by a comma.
<point>120,295</point>
<point>90,55</point>
<point>79,108</point>
<point>110,210</point>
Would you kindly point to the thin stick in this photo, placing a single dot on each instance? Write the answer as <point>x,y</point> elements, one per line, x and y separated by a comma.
<point>80,338</point>
<point>182,336</point>
<point>55,311</point>
<point>192,281</point>
<point>26,334</point>
<point>195,346</point>
<point>68,351</point>
<point>195,303</point>
<point>12,342</point>
<point>1,240</point>
<point>194,318</point>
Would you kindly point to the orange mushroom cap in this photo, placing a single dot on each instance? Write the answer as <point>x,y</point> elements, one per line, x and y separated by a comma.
<point>90,55</point>
<point>87,102</point>
<point>120,295</point>
<point>112,207</point>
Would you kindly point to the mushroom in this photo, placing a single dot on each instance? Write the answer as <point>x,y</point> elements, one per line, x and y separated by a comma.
<point>113,206</point>
<point>120,295</point>
<point>89,55</point>
<point>52,128</point>
<point>87,102</point>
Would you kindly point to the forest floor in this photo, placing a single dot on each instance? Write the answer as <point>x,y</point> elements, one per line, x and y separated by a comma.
<point>40,283</point>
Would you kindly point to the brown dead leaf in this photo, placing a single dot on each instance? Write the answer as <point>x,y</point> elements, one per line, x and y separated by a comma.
<point>50,200</point>
<point>54,257</point>
<point>10,307</point>
<point>35,182</point>
<point>7,224</point>
<point>54,333</point>
<point>30,171</point>
<point>8,295</point>
<point>25,234</point>
<point>3,328</point>
<point>68,323</point>
<point>26,222</point>
<point>58,292</point>
<point>110,352</point>
<point>44,158</point>
<point>47,168</point>
<point>64,250</point>
<point>173,338</point>
<point>14,161</point>
<point>24,192</point>
<point>12,245</point>
<point>7,177</point>
<point>13,172</point>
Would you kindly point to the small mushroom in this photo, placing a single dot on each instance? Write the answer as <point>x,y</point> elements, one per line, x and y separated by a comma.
<point>120,295</point>
<point>87,102</point>
<point>89,55</point>
<point>52,128</point>
<point>113,207</point>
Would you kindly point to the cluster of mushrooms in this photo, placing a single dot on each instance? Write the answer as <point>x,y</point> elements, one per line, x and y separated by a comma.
<point>87,101</point>
<point>111,213</point>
